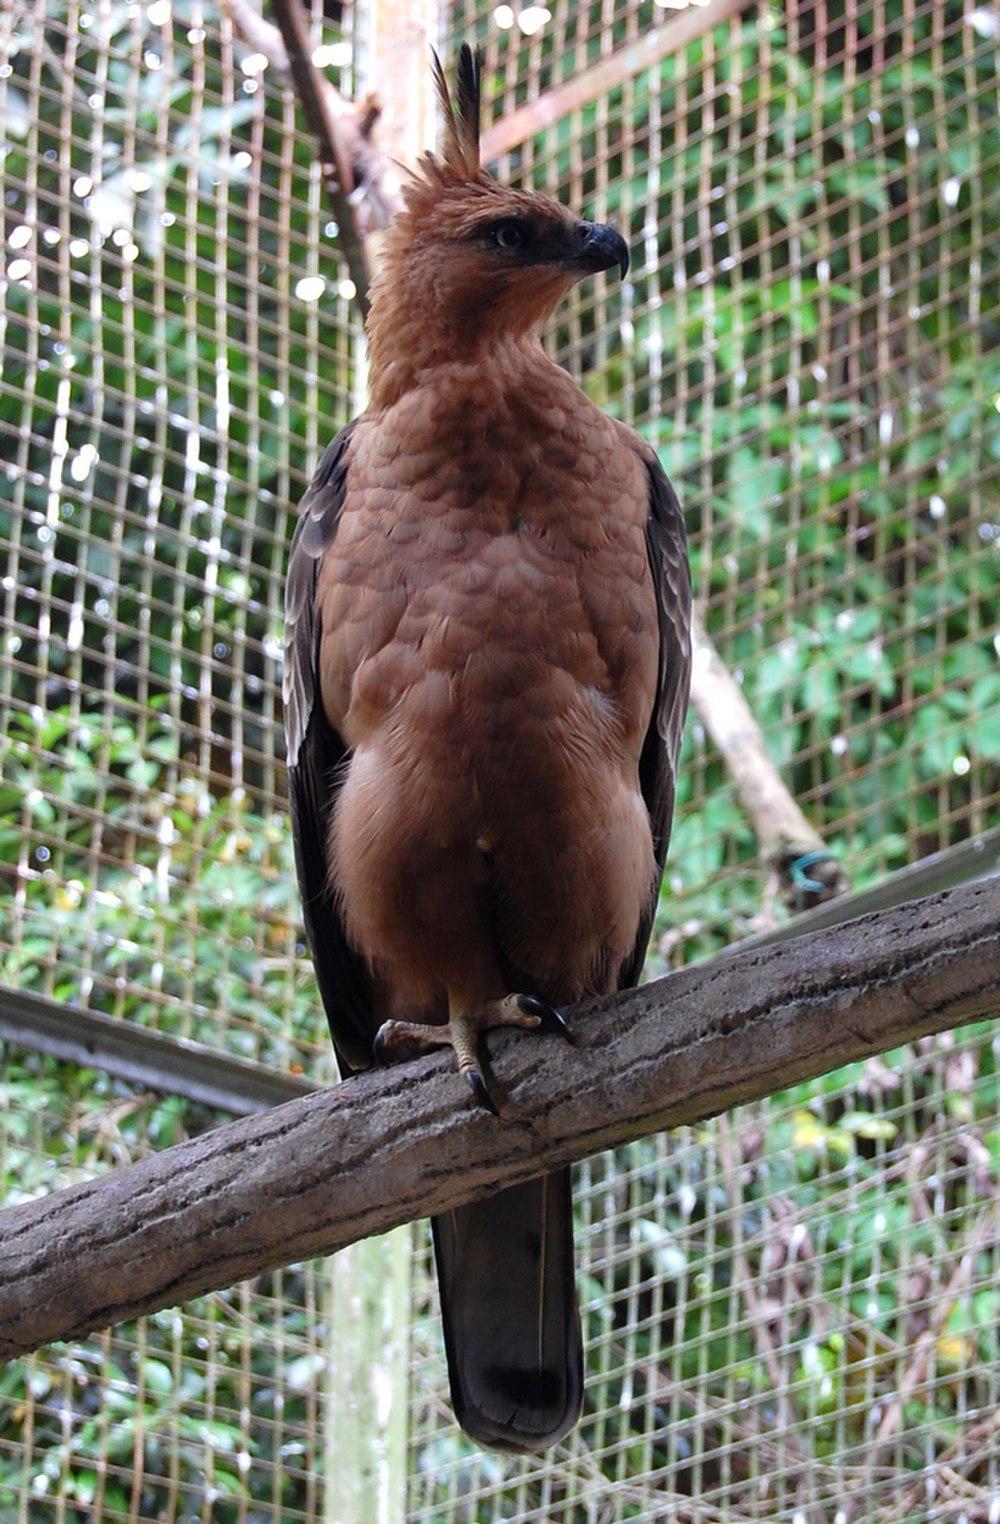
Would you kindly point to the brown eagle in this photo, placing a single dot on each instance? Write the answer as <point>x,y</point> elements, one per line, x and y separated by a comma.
<point>486,673</point>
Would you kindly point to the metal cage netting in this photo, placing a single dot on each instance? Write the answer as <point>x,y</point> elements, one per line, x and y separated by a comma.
<point>215,1411</point>
<point>178,343</point>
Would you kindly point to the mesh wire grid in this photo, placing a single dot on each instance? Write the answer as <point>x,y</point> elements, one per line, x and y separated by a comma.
<point>807,337</point>
<point>178,344</point>
<point>790,1314</point>
<point>213,1412</point>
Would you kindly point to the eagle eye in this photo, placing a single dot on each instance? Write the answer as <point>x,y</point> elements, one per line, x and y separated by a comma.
<point>509,235</point>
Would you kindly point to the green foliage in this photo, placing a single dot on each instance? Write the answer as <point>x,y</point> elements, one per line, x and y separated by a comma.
<point>210,900</point>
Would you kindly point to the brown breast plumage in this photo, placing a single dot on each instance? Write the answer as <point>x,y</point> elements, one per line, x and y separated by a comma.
<point>489,652</point>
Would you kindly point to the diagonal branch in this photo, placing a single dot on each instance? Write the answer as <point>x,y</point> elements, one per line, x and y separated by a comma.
<point>609,73</point>
<point>357,177</point>
<point>316,1174</point>
<point>803,868</point>
<point>335,166</point>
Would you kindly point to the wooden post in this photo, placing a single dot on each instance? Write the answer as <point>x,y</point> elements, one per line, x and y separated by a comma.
<point>402,35</point>
<point>367,1395</point>
<point>367,1410</point>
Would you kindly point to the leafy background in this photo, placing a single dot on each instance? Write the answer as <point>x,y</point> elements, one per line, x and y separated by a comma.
<point>789,1312</point>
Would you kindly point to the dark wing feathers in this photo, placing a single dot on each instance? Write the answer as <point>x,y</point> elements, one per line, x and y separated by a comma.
<point>316,757</point>
<point>319,514</point>
<point>666,546</point>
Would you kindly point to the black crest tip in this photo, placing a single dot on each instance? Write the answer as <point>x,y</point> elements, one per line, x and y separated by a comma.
<point>462,112</point>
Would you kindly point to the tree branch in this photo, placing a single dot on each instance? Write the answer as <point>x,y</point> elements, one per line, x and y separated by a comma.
<point>335,165</point>
<point>804,870</point>
<point>311,1176</point>
<point>360,187</point>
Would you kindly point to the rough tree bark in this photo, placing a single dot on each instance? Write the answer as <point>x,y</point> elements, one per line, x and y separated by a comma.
<point>311,1176</point>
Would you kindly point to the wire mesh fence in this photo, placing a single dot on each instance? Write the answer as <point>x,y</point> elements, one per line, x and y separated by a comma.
<point>215,1411</point>
<point>791,1313</point>
<point>168,377</point>
<point>808,339</point>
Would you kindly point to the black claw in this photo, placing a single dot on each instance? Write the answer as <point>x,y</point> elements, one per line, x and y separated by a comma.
<point>380,1048</point>
<point>549,1019</point>
<point>478,1087</point>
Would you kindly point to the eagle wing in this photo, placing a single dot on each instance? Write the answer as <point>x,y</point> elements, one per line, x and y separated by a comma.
<point>317,758</point>
<point>666,548</point>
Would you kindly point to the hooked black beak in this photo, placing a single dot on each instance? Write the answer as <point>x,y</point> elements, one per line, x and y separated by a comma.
<point>602,248</point>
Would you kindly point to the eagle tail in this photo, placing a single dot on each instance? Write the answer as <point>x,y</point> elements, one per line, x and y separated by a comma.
<point>511,1325</point>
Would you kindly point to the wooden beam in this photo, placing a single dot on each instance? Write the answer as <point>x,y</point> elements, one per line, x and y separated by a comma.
<point>311,1176</point>
<point>607,74</point>
<point>402,35</point>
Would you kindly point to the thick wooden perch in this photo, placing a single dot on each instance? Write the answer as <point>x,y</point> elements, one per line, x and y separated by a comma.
<point>316,1174</point>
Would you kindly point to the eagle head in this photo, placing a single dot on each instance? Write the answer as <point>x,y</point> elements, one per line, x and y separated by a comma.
<point>469,262</point>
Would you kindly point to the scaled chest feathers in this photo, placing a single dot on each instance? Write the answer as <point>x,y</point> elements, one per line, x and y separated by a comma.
<point>489,534</point>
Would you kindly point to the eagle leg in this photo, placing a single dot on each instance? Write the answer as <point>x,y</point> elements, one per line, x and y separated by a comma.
<point>401,1039</point>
